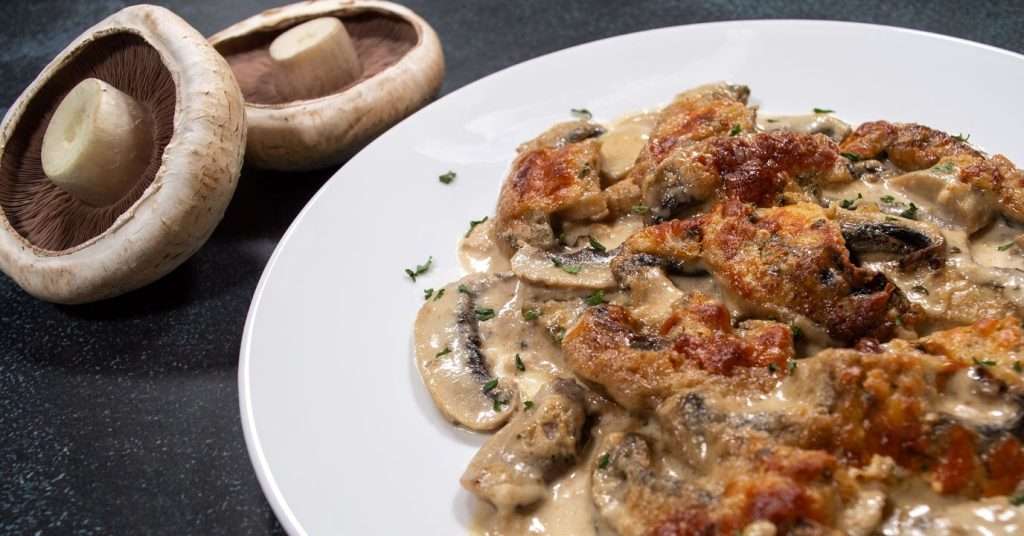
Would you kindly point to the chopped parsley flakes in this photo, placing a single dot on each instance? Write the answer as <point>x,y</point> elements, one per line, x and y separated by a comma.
<point>772,368</point>
<point>849,204</point>
<point>823,111</point>
<point>887,199</point>
<point>1017,367</point>
<point>484,313</point>
<point>528,404</point>
<point>446,351</point>
<point>473,224</point>
<point>961,137</point>
<point>489,386</point>
<point>582,113</point>
<point>519,364</point>
<point>567,268</point>
<point>428,293</point>
<point>639,209</point>
<point>983,362</point>
<point>596,298</point>
<point>791,366</point>
<point>910,213</point>
<point>530,314</point>
<point>736,129</point>
<point>603,461</point>
<point>420,269</point>
<point>465,290</point>
<point>1017,500</point>
<point>852,157</point>
<point>447,178</point>
<point>597,246</point>
<point>1005,247</point>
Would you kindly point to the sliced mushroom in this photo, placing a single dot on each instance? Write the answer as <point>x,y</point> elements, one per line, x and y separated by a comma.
<point>873,232</point>
<point>450,358</point>
<point>515,466</point>
<point>312,101</point>
<point>826,124</point>
<point>584,269</point>
<point>118,161</point>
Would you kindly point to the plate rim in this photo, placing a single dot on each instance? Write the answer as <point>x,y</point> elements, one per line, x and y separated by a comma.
<point>264,474</point>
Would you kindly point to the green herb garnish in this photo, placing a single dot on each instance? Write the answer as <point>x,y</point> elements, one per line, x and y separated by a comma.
<point>983,362</point>
<point>961,137</point>
<point>519,364</point>
<point>582,113</point>
<point>473,224</point>
<point>887,199</point>
<point>603,461</point>
<point>797,332</point>
<point>446,351</point>
<point>1017,500</point>
<point>850,203</point>
<point>1005,247</point>
<point>484,313</point>
<point>420,269</point>
<point>945,167</point>
<point>438,295</point>
<point>428,293</point>
<point>823,111</point>
<point>773,368</point>
<point>910,213</point>
<point>850,156</point>
<point>597,246</point>
<point>596,298</point>
<point>584,171</point>
<point>736,129</point>
<point>558,335</point>
<point>791,366</point>
<point>447,178</point>
<point>489,386</point>
<point>528,404</point>
<point>530,314</point>
<point>1017,367</point>
<point>465,290</point>
<point>497,404</point>
<point>567,268</point>
<point>639,209</point>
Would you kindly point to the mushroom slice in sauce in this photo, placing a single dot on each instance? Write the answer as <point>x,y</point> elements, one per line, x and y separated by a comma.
<point>913,147</point>
<point>873,232</point>
<point>785,263</point>
<point>555,176</point>
<point>761,169</point>
<point>450,356</point>
<point>515,466</point>
<point>952,201</point>
<point>826,124</point>
<point>584,268</point>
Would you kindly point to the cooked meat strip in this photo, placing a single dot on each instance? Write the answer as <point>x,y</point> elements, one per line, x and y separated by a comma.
<point>777,263</point>
<point>554,176</point>
<point>760,168</point>
<point>914,147</point>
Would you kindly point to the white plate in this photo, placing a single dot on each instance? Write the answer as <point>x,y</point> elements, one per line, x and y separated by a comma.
<point>341,431</point>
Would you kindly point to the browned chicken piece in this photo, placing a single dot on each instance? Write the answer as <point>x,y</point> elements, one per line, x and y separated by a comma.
<point>700,113</point>
<point>819,451</point>
<point>639,366</point>
<point>515,465</point>
<point>913,147</point>
<point>782,263</point>
<point>554,176</point>
<point>759,169</point>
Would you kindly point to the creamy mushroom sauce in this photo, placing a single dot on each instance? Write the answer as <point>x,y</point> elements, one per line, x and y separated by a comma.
<point>522,341</point>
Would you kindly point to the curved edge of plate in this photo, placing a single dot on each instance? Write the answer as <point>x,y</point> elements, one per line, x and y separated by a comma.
<point>264,474</point>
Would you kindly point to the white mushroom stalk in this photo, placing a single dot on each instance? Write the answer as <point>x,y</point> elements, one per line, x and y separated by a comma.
<point>98,143</point>
<point>315,58</point>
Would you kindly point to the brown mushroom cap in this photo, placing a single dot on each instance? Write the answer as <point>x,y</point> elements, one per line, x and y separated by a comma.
<point>402,68</point>
<point>62,249</point>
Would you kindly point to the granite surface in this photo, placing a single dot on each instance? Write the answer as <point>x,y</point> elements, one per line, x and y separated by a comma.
<point>122,417</point>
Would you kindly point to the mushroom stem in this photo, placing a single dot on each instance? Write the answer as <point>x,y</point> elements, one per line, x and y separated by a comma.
<point>314,59</point>
<point>98,143</point>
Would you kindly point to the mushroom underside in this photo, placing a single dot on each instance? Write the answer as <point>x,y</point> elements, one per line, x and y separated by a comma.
<point>380,39</point>
<point>44,214</point>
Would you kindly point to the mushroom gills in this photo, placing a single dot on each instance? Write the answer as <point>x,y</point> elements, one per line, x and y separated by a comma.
<point>585,268</point>
<point>450,356</point>
<point>823,123</point>
<point>514,467</point>
<point>314,59</point>
<point>873,232</point>
<point>98,143</point>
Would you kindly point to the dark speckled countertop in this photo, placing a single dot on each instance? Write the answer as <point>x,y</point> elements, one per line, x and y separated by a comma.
<point>122,417</point>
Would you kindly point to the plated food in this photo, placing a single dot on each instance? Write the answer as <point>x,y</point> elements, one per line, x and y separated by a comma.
<point>706,320</point>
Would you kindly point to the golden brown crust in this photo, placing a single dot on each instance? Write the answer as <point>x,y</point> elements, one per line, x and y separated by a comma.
<point>639,365</point>
<point>758,169</point>
<point>700,113</point>
<point>556,173</point>
<point>782,262</point>
<point>912,147</point>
